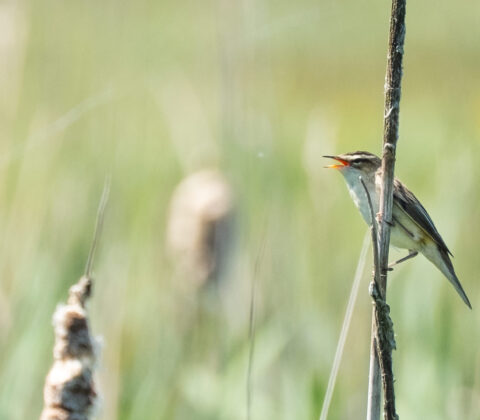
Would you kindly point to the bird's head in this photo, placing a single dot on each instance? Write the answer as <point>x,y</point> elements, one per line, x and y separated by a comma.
<point>362,162</point>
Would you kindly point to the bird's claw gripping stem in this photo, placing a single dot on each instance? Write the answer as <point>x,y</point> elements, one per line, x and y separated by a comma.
<point>380,219</point>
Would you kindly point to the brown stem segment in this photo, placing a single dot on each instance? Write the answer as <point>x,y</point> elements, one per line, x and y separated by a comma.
<point>383,331</point>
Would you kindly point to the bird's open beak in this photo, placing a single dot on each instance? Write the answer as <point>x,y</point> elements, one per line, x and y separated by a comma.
<point>342,164</point>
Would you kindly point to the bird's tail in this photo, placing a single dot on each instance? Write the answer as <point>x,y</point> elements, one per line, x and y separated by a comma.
<point>442,261</point>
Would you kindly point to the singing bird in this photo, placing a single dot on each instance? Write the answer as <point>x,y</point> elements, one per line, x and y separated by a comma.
<point>411,227</point>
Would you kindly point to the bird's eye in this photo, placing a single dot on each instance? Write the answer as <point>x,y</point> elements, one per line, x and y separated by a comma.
<point>359,162</point>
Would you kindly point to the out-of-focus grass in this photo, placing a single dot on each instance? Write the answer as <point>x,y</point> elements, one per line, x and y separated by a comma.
<point>261,90</point>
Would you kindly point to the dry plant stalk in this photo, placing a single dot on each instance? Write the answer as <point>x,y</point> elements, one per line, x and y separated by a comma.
<point>383,340</point>
<point>382,331</point>
<point>69,391</point>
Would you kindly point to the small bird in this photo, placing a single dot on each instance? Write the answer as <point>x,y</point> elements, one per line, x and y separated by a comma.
<point>411,226</point>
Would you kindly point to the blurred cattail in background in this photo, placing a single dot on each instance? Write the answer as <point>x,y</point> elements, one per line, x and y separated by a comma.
<point>198,237</point>
<point>199,230</point>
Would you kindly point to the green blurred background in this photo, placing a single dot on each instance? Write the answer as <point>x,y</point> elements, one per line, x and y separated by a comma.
<point>152,91</point>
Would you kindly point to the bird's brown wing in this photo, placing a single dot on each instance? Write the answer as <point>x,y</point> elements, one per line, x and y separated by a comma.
<point>403,197</point>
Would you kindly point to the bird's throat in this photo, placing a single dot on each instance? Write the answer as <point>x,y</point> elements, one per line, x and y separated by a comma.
<point>359,196</point>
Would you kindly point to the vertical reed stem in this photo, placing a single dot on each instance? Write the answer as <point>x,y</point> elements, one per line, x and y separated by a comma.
<point>382,331</point>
